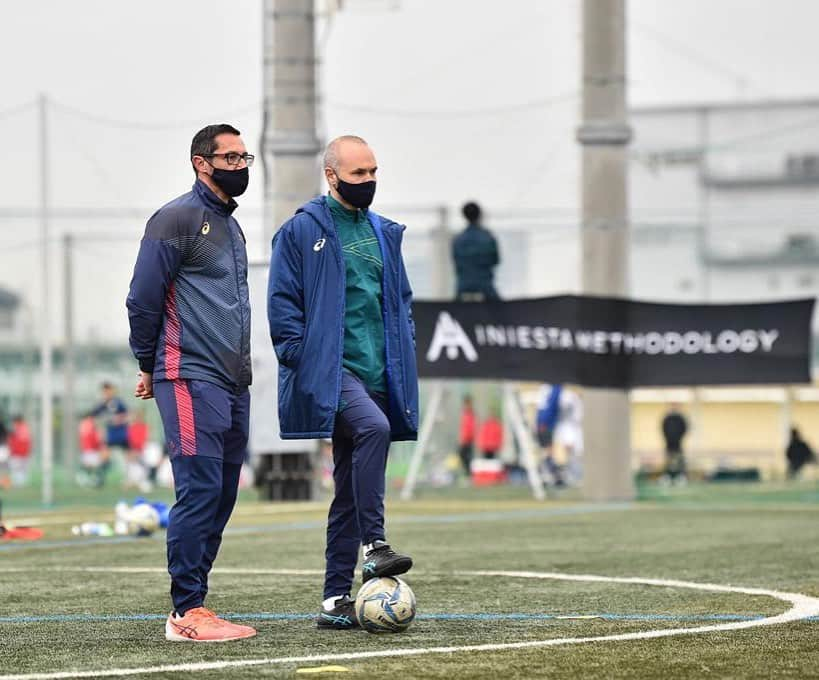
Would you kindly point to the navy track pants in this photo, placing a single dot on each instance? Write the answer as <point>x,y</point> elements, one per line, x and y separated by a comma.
<point>207,429</point>
<point>361,441</point>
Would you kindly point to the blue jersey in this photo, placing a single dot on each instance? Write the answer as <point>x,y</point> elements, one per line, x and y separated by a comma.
<point>114,411</point>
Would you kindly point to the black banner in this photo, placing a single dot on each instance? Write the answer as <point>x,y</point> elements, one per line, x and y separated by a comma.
<point>613,342</point>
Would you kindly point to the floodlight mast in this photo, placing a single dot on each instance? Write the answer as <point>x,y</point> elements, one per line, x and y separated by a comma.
<point>604,135</point>
<point>46,387</point>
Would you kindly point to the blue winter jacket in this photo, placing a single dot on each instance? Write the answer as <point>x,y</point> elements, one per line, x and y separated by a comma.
<point>306,304</point>
<point>188,304</point>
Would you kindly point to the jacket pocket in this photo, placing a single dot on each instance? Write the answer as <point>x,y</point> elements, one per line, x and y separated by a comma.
<point>289,352</point>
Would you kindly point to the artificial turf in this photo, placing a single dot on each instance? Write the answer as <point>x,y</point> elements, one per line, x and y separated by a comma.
<point>77,604</point>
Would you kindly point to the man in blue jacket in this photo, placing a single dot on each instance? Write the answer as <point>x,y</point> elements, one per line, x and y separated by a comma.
<point>340,319</point>
<point>190,331</point>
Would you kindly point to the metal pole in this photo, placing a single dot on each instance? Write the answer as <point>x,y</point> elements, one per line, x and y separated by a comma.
<point>442,242</point>
<point>290,143</point>
<point>46,416</point>
<point>69,357</point>
<point>703,211</point>
<point>436,395</point>
<point>514,414</point>
<point>604,135</point>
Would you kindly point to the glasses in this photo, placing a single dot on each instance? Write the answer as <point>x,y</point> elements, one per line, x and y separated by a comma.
<point>233,158</point>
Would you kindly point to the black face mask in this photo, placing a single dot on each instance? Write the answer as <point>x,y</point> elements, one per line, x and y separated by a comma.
<point>232,182</point>
<point>357,195</point>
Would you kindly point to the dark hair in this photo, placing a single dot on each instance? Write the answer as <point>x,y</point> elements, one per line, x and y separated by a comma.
<point>107,386</point>
<point>204,141</point>
<point>472,212</point>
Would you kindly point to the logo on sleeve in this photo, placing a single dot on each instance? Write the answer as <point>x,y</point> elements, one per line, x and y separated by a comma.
<point>205,228</point>
<point>318,245</point>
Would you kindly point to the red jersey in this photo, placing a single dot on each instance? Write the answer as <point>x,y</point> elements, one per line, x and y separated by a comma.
<point>90,439</point>
<point>19,440</point>
<point>490,437</point>
<point>137,436</point>
<point>467,426</point>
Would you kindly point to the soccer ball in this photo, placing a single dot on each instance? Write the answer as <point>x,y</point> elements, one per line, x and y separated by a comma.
<point>142,520</point>
<point>385,605</point>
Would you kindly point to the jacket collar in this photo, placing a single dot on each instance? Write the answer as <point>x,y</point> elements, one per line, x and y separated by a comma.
<point>319,209</point>
<point>211,200</point>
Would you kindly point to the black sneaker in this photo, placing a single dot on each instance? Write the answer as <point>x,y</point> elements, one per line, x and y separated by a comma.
<point>340,617</point>
<point>382,560</point>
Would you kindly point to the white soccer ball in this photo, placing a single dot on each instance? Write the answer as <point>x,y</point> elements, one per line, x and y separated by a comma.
<point>142,520</point>
<point>385,605</point>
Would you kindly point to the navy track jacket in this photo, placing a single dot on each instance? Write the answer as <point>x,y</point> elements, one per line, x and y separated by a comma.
<point>305,307</point>
<point>188,304</point>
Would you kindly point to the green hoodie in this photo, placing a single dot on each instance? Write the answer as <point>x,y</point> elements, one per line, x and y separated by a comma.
<point>363,320</point>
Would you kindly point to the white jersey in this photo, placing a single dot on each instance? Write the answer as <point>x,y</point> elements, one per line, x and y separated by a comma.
<point>569,429</point>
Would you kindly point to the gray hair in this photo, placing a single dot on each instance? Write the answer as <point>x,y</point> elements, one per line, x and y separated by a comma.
<point>330,153</point>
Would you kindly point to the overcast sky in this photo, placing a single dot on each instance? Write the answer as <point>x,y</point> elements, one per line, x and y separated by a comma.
<point>422,80</point>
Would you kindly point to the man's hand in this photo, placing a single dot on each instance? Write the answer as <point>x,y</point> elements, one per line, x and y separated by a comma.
<point>144,387</point>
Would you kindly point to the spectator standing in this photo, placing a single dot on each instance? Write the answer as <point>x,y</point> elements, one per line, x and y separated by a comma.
<point>475,254</point>
<point>466,439</point>
<point>19,443</point>
<point>799,453</point>
<point>674,427</point>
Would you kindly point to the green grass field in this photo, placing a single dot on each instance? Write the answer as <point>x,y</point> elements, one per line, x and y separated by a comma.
<point>71,605</point>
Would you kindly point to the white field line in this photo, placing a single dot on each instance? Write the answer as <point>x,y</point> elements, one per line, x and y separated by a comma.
<point>802,607</point>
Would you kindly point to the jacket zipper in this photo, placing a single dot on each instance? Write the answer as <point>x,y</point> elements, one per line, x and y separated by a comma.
<point>397,273</point>
<point>239,296</point>
<point>342,297</point>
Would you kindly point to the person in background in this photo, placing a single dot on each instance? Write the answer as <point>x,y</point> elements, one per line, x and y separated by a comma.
<point>466,439</point>
<point>91,446</point>
<point>19,443</point>
<point>548,414</point>
<point>135,468</point>
<point>674,428</point>
<point>490,436</point>
<point>475,255</point>
<point>568,435</point>
<point>798,454</point>
<point>5,481</point>
<point>114,413</point>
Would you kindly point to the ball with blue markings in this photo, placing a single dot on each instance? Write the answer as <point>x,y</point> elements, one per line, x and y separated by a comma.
<point>385,605</point>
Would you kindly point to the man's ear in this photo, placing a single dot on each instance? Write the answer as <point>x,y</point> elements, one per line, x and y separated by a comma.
<point>199,164</point>
<point>331,176</point>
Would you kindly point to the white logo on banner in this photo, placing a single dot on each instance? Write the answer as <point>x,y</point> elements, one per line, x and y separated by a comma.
<point>449,334</point>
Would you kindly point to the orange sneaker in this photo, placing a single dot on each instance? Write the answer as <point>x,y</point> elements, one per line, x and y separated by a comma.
<point>202,625</point>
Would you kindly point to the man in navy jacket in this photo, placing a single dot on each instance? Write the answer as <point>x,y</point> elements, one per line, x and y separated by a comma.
<point>341,324</point>
<point>190,331</point>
